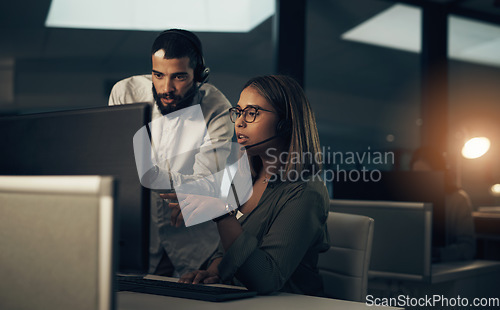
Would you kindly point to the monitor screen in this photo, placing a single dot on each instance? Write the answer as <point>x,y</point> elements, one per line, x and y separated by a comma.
<point>96,141</point>
<point>410,186</point>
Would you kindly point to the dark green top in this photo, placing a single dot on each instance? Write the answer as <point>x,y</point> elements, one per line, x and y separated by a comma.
<point>278,249</point>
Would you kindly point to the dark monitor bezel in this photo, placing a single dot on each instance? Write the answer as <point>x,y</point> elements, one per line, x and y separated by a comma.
<point>92,141</point>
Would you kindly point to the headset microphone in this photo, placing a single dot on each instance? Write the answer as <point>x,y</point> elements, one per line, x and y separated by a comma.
<point>283,129</point>
<point>259,143</point>
<point>201,72</point>
<point>190,94</point>
<point>193,92</point>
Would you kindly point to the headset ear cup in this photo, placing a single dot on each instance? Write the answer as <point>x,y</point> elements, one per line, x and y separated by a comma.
<point>202,75</point>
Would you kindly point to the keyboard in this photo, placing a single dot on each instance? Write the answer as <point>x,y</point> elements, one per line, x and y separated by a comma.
<point>183,290</point>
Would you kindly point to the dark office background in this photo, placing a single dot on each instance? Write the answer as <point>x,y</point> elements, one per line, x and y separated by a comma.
<point>365,97</point>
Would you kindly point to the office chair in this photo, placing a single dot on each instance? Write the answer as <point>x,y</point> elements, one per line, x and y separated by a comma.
<point>344,267</point>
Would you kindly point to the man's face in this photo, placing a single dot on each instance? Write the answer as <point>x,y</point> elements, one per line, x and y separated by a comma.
<point>173,79</point>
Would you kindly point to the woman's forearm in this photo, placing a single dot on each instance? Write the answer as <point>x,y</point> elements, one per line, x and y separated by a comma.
<point>229,230</point>
<point>213,268</point>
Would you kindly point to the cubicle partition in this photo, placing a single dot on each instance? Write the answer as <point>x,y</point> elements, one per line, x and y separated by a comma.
<point>57,242</point>
<point>402,239</point>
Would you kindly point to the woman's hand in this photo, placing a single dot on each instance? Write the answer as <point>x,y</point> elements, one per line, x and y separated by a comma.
<point>200,276</point>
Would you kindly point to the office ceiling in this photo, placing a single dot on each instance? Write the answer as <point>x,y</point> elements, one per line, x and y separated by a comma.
<point>27,18</point>
<point>365,98</point>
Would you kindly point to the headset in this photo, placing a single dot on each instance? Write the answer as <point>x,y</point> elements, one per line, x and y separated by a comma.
<point>201,72</point>
<point>284,125</point>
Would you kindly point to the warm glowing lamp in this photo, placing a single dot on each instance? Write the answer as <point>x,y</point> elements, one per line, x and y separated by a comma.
<point>476,147</point>
<point>495,190</point>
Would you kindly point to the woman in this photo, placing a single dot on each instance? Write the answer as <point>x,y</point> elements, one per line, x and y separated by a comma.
<point>274,242</point>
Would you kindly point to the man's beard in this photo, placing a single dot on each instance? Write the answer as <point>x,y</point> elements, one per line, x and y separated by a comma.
<point>180,102</point>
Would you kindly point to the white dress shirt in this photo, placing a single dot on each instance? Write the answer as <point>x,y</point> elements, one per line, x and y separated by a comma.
<point>183,139</point>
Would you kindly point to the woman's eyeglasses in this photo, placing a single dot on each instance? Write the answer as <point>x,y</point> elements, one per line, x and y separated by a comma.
<point>249,113</point>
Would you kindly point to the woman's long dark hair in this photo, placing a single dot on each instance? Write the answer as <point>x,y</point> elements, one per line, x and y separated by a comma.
<point>302,140</point>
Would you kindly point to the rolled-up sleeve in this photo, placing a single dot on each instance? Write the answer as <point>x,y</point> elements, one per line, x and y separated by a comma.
<point>132,90</point>
<point>211,155</point>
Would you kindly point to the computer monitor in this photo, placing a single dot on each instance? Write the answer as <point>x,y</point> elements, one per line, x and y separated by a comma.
<point>410,186</point>
<point>56,241</point>
<point>95,141</point>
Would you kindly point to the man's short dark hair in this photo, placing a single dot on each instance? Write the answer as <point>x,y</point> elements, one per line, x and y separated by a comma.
<point>179,43</point>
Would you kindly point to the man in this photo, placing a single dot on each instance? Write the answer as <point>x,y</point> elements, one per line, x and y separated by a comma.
<point>188,116</point>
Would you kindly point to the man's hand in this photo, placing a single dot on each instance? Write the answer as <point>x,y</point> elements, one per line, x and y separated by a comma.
<point>176,218</point>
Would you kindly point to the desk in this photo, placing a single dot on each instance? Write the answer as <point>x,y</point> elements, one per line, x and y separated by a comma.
<point>487,226</point>
<point>451,271</point>
<point>467,279</point>
<point>134,301</point>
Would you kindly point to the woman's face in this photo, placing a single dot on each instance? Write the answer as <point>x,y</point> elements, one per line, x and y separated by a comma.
<point>264,126</point>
